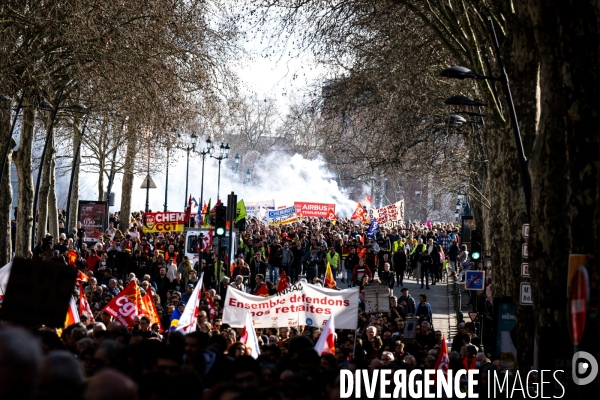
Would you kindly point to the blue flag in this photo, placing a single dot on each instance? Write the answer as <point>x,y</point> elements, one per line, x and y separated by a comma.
<point>175,319</point>
<point>373,228</point>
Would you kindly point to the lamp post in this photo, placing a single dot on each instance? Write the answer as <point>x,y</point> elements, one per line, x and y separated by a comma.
<point>207,151</point>
<point>458,72</point>
<point>223,154</point>
<point>238,158</point>
<point>191,146</point>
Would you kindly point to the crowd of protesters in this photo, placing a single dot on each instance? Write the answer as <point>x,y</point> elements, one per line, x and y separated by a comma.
<point>99,358</point>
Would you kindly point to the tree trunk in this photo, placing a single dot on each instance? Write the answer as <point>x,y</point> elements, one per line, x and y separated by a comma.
<point>74,200</point>
<point>101,179</point>
<point>568,38</point>
<point>127,184</point>
<point>24,171</point>
<point>52,206</point>
<point>42,220</point>
<point>5,190</point>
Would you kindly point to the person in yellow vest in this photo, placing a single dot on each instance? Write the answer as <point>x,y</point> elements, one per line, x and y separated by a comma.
<point>415,255</point>
<point>333,259</point>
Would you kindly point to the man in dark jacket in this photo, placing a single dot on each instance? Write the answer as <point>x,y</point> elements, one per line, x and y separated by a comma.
<point>399,259</point>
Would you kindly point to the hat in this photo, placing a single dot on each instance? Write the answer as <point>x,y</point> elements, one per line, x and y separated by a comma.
<point>190,285</point>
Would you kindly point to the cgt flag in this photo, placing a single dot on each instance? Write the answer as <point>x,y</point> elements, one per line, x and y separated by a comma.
<point>326,342</point>
<point>126,305</point>
<point>210,305</point>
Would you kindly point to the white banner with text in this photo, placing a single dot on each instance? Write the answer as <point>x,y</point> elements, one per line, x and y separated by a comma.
<point>299,304</point>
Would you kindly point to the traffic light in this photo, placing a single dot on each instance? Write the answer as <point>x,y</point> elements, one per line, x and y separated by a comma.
<point>220,221</point>
<point>476,244</point>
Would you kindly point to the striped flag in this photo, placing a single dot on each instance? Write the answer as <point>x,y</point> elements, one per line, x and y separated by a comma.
<point>72,313</point>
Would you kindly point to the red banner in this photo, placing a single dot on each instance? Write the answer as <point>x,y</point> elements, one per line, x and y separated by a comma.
<point>164,222</point>
<point>126,305</point>
<point>317,210</point>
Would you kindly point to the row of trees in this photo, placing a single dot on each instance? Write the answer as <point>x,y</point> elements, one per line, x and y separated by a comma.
<point>382,114</point>
<point>143,71</point>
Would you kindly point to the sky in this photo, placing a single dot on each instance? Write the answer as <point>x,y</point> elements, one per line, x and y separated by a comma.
<point>284,178</point>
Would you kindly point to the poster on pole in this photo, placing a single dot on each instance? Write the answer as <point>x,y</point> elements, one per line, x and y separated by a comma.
<point>299,304</point>
<point>163,222</point>
<point>390,215</point>
<point>282,217</point>
<point>93,216</point>
<point>317,210</point>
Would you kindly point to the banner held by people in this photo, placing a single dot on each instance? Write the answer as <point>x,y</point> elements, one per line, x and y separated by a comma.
<point>164,222</point>
<point>300,304</point>
<point>282,217</point>
<point>316,210</point>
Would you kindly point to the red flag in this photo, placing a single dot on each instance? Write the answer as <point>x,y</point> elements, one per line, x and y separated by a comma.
<point>358,213</point>
<point>443,360</point>
<point>72,256</point>
<point>212,311</point>
<point>149,309</point>
<point>204,208</point>
<point>84,305</point>
<point>125,306</point>
<point>329,280</point>
<point>262,291</point>
<point>284,282</point>
<point>82,277</point>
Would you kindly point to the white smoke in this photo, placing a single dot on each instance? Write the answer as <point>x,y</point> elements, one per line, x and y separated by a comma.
<point>276,175</point>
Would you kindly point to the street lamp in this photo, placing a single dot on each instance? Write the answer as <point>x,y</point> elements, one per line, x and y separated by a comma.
<point>191,146</point>
<point>207,151</point>
<point>458,72</point>
<point>223,154</point>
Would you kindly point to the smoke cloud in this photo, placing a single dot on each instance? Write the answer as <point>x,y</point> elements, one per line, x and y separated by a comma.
<point>276,175</point>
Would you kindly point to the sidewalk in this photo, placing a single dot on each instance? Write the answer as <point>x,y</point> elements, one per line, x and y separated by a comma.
<point>438,298</point>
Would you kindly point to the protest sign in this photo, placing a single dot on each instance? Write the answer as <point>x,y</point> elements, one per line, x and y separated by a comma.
<point>92,215</point>
<point>253,207</point>
<point>299,304</point>
<point>389,216</point>
<point>282,217</point>
<point>318,210</point>
<point>163,222</point>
